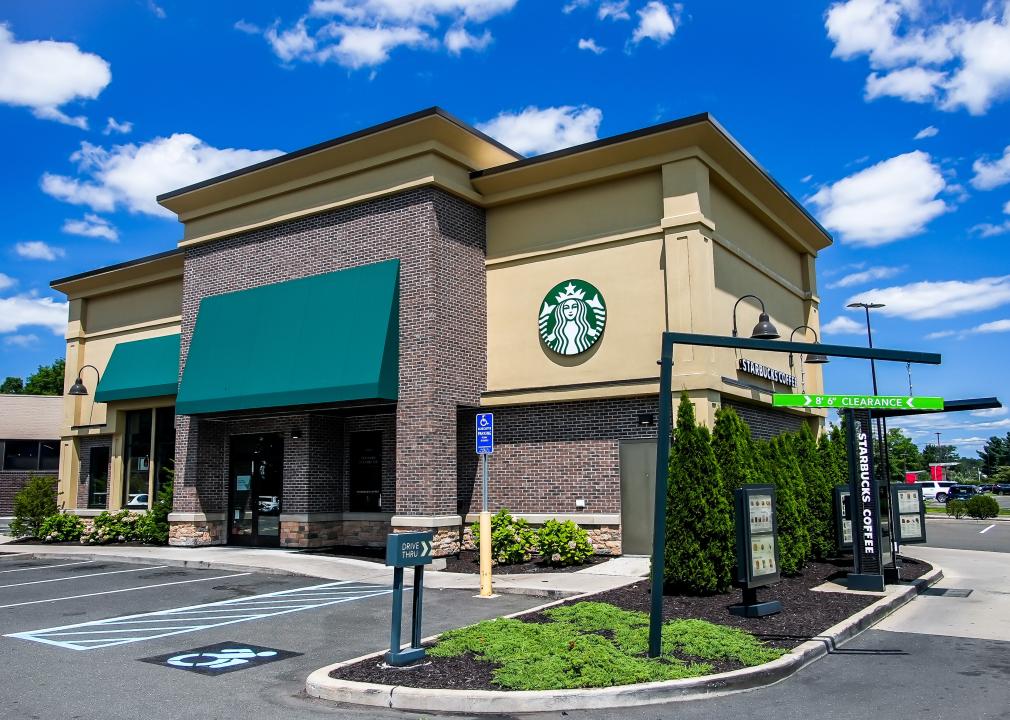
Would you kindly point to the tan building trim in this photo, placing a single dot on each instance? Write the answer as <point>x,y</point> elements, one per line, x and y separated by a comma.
<point>425,521</point>
<point>196,517</point>
<point>541,518</point>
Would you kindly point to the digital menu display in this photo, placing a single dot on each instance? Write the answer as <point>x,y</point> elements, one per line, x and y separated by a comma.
<point>908,501</point>
<point>760,513</point>
<point>911,527</point>
<point>763,555</point>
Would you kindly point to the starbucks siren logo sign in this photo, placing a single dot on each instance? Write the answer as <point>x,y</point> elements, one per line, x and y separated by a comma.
<point>572,317</point>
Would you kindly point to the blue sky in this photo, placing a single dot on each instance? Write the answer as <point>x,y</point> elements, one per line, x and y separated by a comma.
<point>888,119</point>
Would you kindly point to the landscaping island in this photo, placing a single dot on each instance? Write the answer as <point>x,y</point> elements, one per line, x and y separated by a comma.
<point>601,640</point>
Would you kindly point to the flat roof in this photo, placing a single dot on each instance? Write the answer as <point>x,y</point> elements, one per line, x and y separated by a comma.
<point>118,266</point>
<point>427,112</point>
<point>31,417</point>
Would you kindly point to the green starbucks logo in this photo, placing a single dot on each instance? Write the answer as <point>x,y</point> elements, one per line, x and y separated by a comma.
<point>572,317</point>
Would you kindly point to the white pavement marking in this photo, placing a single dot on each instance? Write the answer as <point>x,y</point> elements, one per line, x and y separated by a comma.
<point>46,567</point>
<point>983,532</point>
<point>200,617</point>
<point>112,592</point>
<point>81,577</point>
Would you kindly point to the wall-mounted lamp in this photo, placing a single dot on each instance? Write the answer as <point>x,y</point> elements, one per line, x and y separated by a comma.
<point>296,434</point>
<point>812,358</point>
<point>646,419</point>
<point>764,330</point>
<point>78,387</point>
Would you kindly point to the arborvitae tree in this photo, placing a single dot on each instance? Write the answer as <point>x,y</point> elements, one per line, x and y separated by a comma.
<point>782,471</point>
<point>699,525</point>
<point>734,451</point>
<point>834,462</point>
<point>820,522</point>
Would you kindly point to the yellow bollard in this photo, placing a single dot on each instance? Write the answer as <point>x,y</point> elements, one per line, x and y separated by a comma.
<point>485,554</point>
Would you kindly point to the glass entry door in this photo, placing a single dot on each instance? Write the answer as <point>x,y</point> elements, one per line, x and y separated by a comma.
<point>255,480</point>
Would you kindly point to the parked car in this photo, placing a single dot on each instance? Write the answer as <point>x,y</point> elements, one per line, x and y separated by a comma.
<point>935,489</point>
<point>960,492</point>
<point>988,488</point>
<point>138,501</point>
<point>269,503</point>
<point>1001,489</point>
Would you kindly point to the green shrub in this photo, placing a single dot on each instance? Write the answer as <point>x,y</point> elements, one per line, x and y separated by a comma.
<point>109,527</point>
<point>61,527</point>
<point>981,507</point>
<point>563,544</point>
<point>781,470</point>
<point>819,491</point>
<point>32,505</point>
<point>957,508</point>
<point>700,557</point>
<point>152,526</point>
<point>734,451</point>
<point>512,540</point>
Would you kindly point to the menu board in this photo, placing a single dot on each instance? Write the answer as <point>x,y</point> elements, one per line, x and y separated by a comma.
<point>763,555</point>
<point>760,514</point>
<point>908,501</point>
<point>911,527</point>
<point>847,532</point>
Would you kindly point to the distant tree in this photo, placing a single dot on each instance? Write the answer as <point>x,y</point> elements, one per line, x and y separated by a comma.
<point>903,453</point>
<point>47,380</point>
<point>946,453</point>
<point>699,521</point>
<point>995,454</point>
<point>12,386</point>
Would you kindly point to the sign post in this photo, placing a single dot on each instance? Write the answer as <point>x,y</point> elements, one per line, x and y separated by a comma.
<point>407,550</point>
<point>857,402</point>
<point>867,550</point>
<point>485,447</point>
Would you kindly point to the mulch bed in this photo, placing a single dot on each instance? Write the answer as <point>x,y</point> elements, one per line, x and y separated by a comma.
<point>805,614</point>
<point>468,561</point>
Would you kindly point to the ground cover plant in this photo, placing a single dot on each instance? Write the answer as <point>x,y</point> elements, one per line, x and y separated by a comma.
<point>593,644</point>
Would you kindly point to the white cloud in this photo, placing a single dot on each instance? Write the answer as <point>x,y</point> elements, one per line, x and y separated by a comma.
<point>132,175</point>
<point>990,230</point>
<point>38,250</point>
<point>590,45</point>
<point>842,325</point>
<point>888,201</point>
<point>44,75</point>
<point>873,273</point>
<point>363,33</point>
<point>92,226</point>
<point>534,131</point>
<point>614,10</point>
<point>992,412</point>
<point>913,84</point>
<point>806,178</point>
<point>991,174</point>
<point>656,23</point>
<point>113,126</point>
<point>159,12</point>
<point>457,40</point>
<point>247,27</point>
<point>953,61</point>
<point>6,281</point>
<point>996,326</point>
<point>22,311</point>
<point>21,341</point>
<point>939,299</point>
<point>940,334</point>
<point>927,132</point>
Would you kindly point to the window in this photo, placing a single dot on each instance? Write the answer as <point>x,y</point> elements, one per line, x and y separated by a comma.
<point>149,455</point>
<point>98,477</point>
<point>28,455</point>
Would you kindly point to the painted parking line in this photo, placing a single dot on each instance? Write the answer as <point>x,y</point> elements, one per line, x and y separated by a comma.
<point>47,567</point>
<point>81,577</point>
<point>148,626</point>
<point>983,532</point>
<point>122,590</point>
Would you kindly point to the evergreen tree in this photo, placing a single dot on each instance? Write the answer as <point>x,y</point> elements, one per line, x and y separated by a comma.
<point>734,451</point>
<point>820,494</point>
<point>782,471</point>
<point>699,525</point>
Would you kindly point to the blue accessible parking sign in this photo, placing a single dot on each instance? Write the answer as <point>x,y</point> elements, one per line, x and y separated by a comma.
<point>485,433</point>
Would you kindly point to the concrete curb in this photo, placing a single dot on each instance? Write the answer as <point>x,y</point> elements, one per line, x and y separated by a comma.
<point>938,516</point>
<point>319,684</point>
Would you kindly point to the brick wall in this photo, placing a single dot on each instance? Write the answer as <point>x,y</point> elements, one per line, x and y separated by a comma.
<point>11,482</point>
<point>546,456</point>
<point>84,476</point>
<point>765,423</point>
<point>439,240</point>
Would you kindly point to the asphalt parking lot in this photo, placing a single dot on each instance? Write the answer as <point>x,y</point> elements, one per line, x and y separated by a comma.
<point>85,639</point>
<point>966,534</point>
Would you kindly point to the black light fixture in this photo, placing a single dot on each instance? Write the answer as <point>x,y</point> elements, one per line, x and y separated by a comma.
<point>812,358</point>
<point>296,434</point>
<point>646,419</point>
<point>78,388</point>
<point>764,330</point>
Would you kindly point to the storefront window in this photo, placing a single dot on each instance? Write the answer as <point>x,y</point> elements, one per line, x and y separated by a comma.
<point>98,480</point>
<point>164,448</point>
<point>49,455</point>
<point>137,475</point>
<point>31,455</point>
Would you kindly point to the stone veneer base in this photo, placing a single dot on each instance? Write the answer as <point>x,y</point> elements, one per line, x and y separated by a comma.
<point>196,533</point>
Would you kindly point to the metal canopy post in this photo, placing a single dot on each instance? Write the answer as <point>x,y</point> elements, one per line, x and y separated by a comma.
<point>666,422</point>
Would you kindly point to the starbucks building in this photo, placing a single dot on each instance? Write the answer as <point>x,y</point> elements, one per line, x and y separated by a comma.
<point>306,366</point>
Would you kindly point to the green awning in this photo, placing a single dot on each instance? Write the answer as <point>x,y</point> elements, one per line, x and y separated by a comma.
<point>141,369</point>
<point>318,340</point>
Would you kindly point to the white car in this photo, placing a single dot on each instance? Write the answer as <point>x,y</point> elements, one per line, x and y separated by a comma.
<point>935,489</point>
<point>137,501</point>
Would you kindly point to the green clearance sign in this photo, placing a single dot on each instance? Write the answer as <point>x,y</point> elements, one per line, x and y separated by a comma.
<point>858,402</point>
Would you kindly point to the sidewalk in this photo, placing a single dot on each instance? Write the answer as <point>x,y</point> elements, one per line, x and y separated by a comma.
<point>598,578</point>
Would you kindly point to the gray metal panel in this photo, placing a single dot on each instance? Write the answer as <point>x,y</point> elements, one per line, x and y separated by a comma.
<point>638,482</point>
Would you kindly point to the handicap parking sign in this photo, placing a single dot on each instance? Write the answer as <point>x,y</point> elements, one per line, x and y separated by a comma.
<point>485,433</point>
<point>220,658</point>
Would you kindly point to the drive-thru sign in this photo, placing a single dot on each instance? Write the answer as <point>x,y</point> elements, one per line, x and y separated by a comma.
<point>857,402</point>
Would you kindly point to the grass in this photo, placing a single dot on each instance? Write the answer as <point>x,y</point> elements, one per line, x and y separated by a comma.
<point>593,644</point>
<point>941,510</point>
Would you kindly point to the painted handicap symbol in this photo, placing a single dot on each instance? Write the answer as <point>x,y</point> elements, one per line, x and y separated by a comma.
<point>226,657</point>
